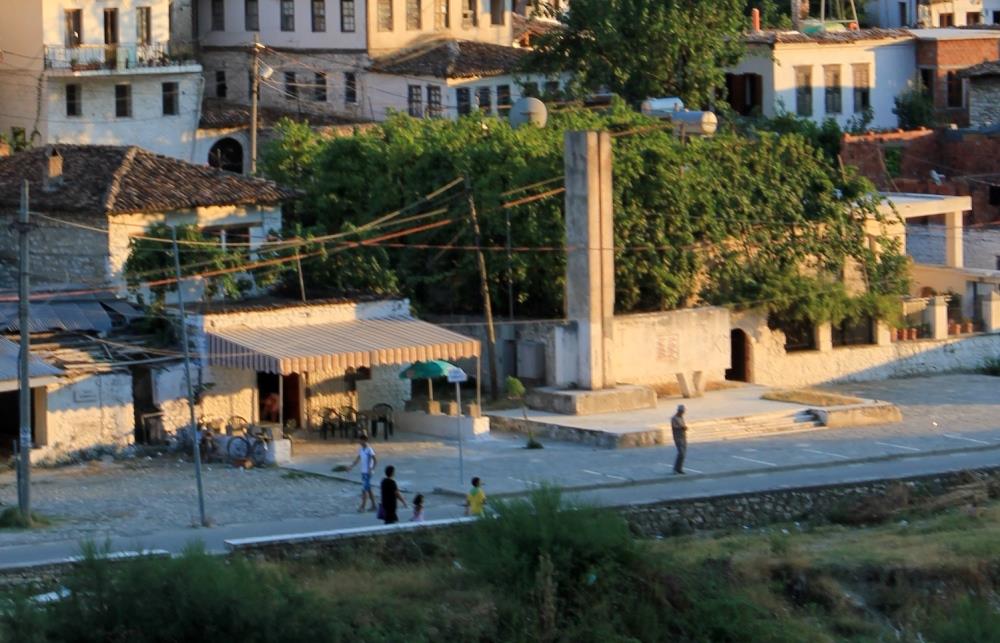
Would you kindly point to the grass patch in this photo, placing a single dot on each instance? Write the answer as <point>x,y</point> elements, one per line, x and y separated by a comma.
<point>12,518</point>
<point>299,475</point>
<point>990,366</point>
<point>810,397</point>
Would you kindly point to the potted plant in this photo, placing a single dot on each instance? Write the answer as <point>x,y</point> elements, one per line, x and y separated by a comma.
<point>912,333</point>
<point>954,328</point>
<point>968,326</point>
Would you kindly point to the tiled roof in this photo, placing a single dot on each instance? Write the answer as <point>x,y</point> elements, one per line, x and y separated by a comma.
<point>988,68</point>
<point>825,37</point>
<point>216,114</point>
<point>452,59</point>
<point>532,27</point>
<point>104,179</point>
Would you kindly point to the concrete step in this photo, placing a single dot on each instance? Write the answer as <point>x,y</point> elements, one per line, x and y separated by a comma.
<point>744,427</point>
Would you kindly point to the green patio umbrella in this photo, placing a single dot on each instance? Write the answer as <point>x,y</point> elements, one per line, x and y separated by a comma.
<point>428,371</point>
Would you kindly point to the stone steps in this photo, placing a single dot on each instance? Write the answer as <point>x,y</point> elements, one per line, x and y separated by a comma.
<point>735,428</point>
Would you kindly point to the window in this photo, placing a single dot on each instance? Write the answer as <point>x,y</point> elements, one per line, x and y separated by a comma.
<point>250,85</point>
<point>996,16</point>
<point>470,17</point>
<point>955,98</point>
<point>799,334</point>
<point>110,26</point>
<point>291,87</point>
<point>74,27</point>
<point>530,89</point>
<point>852,332</point>
<point>218,15</point>
<point>442,15</point>
<point>503,99</point>
<point>171,99</point>
<point>288,15</point>
<point>221,87</point>
<point>73,106</point>
<point>463,98</point>
<point>902,15</point>
<point>413,15</point>
<point>803,91</point>
<point>347,15</point>
<point>552,88</point>
<point>831,83</point>
<point>998,262</point>
<point>350,88</point>
<point>319,15</point>
<point>927,82</point>
<point>251,15</point>
<point>319,87</point>
<point>485,99</point>
<point>143,25</point>
<point>496,12</point>
<point>973,18</point>
<point>995,195</point>
<point>433,101</point>
<point>946,20</point>
<point>862,88</point>
<point>123,101</point>
<point>385,15</point>
<point>414,101</point>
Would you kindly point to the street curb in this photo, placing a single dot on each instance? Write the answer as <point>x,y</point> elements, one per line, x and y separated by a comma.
<point>636,482</point>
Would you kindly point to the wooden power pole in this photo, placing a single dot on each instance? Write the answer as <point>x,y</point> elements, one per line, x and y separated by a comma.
<point>24,356</point>
<point>491,335</point>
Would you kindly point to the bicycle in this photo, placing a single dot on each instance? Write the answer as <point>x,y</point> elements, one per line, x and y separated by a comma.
<point>253,444</point>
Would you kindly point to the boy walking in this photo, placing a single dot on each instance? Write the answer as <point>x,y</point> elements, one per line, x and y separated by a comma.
<point>475,500</point>
<point>366,456</point>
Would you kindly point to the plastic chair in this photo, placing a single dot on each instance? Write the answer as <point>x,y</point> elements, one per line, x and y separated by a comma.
<point>382,416</point>
<point>349,422</point>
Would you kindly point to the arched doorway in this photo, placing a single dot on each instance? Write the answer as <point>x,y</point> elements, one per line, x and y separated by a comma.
<point>739,350</point>
<point>227,154</point>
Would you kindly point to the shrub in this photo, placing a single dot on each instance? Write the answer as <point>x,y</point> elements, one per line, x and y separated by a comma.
<point>515,389</point>
<point>914,108</point>
<point>991,366</point>
<point>12,518</point>
<point>970,621</point>
<point>194,597</point>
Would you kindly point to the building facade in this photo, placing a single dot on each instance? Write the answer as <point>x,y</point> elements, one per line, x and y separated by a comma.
<point>78,71</point>
<point>932,13</point>
<point>942,55</point>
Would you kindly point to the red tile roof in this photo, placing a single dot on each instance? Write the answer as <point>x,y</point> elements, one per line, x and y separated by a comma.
<point>105,179</point>
<point>452,59</point>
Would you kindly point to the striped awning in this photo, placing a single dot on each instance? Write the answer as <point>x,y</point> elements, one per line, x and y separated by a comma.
<point>335,347</point>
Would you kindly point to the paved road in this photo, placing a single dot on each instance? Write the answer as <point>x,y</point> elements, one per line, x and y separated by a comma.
<point>448,507</point>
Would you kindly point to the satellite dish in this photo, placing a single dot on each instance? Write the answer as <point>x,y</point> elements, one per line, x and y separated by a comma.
<point>528,110</point>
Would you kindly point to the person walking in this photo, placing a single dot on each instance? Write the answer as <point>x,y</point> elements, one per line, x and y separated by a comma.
<point>366,456</point>
<point>418,508</point>
<point>390,496</point>
<point>680,429</point>
<point>475,500</point>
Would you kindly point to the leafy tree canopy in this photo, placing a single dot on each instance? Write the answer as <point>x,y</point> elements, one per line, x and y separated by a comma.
<point>645,48</point>
<point>760,219</point>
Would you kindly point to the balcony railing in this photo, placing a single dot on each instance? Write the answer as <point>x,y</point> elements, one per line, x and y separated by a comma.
<point>109,57</point>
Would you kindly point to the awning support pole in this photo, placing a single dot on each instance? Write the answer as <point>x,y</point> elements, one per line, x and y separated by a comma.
<point>281,402</point>
<point>479,383</point>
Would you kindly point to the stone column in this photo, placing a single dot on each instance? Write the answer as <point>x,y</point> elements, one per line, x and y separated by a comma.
<point>937,314</point>
<point>991,311</point>
<point>953,240</point>
<point>590,278</point>
<point>883,334</point>
<point>824,336</point>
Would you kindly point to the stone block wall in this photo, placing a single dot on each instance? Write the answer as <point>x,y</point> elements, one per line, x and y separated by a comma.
<point>59,254</point>
<point>984,101</point>
<point>88,410</point>
<point>384,387</point>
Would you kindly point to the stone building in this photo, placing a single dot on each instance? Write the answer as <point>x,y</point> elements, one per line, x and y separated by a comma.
<point>984,93</point>
<point>91,200</point>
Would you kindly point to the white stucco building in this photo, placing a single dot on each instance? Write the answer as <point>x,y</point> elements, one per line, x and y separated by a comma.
<point>932,13</point>
<point>824,75</point>
<point>80,71</point>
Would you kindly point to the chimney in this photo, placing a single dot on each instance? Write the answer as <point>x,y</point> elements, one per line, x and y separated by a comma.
<point>796,11</point>
<point>755,19</point>
<point>53,177</point>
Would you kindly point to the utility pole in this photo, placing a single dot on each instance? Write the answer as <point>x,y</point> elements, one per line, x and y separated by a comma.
<point>24,382</point>
<point>510,271</point>
<point>254,98</point>
<point>491,336</point>
<point>195,432</point>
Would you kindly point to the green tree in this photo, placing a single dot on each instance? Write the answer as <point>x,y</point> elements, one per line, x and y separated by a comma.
<point>645,48</point>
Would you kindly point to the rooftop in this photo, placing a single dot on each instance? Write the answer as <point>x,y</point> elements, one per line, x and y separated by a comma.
<point>988,68</point>
<point>531,27</point>
<point>452,59</point>
<point>277,302</point>
<point>104,179</point>
<point>956,33</point>
<point>826,37</point>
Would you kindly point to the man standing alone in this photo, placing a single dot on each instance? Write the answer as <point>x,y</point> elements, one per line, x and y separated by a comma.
<point>366,456</point>
<point>680,430</point>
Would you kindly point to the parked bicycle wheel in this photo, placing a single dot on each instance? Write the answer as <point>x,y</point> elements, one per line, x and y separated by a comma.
<point>238,448</point>
<point>259,453</point>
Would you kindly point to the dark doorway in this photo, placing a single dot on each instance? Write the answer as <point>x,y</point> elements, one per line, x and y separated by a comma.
<point>280,397</point>
<point>10,420</point>
<point>227,155</point>
<point>148,418</point>
<point>740,353</point>
<point>745,93</point>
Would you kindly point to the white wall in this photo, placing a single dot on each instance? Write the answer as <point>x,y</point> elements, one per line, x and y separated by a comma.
<point>382,42</point>
<point>892,66</point>
<point>93,20</point>
<point>269,12</point>
<point>88,410</point>
<point>148,127</point>
<point>980,246</point>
